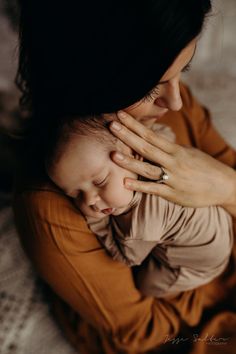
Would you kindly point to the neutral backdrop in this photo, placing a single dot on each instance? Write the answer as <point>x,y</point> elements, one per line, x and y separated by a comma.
<point>26,326</point>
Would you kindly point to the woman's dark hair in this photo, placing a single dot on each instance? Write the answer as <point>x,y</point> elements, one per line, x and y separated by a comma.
<point>90,57</point>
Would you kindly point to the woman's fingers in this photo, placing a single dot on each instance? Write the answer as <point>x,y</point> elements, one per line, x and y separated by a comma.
<point>145,133</point>
<point>195,178</point>
<point>138,144</point>
<point>162,190</point>
<point>142,168</point>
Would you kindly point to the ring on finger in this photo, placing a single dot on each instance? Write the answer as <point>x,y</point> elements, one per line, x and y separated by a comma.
<point>163,177</point>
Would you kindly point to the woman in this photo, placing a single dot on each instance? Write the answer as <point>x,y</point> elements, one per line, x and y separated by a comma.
<point>101,57</point>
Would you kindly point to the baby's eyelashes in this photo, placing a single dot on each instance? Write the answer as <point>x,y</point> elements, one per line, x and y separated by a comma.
<point>102,182</point>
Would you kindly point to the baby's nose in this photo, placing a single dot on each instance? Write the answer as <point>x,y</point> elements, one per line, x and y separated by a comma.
<point>91,198</point>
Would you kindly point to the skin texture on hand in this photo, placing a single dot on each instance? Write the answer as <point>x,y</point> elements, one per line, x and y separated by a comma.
<point>195,178</point>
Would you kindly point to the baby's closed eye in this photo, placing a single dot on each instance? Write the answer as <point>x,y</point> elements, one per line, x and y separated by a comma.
<point>102,182</point>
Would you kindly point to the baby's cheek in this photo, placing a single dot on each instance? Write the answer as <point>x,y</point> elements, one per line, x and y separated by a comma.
<point>79,205</point>
<point>118,197</point>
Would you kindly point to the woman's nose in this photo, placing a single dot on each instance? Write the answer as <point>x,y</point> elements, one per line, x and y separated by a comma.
<point>170,95</point>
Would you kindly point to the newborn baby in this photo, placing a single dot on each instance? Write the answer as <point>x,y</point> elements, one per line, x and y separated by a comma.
<point>179,248</point>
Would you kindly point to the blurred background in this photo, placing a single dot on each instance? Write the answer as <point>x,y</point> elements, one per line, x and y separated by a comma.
<point>26,325</point>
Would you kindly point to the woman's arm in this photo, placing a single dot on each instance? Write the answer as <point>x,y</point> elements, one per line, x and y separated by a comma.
<point>195,178</point>
<point>69,257</point>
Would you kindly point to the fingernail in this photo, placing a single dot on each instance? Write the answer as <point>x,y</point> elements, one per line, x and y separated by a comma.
<point>115,125</point>
<point>119,156</point>
<point>121,114</point>
<point>127,184</point>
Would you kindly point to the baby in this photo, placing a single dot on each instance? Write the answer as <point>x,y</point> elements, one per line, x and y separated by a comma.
<point>180,248</point>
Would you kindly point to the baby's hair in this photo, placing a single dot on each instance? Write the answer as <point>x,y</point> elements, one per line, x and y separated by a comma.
<point>89,126</point>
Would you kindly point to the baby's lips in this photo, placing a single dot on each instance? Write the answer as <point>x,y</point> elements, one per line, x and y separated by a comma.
<point>108,211</point>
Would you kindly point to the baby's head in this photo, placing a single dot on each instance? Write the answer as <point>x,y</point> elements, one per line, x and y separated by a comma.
<point>80,165</point>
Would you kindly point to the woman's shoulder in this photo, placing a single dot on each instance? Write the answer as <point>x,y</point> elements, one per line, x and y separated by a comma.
<point>187,122</point>
<point>192,110</point>
<point>187,96</point>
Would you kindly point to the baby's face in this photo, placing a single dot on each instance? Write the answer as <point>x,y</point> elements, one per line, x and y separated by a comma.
<point>86,173</point>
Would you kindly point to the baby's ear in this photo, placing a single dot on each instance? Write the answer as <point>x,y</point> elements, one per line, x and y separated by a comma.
<point>128,151</point>
<point>134,154</point>
<point>137,156</point>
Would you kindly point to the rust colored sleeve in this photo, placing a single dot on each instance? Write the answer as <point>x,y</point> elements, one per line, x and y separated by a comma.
<point>72,261</point>
<point>203,134</point>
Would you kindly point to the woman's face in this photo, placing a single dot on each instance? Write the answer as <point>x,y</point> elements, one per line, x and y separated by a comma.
<point>166,95</point>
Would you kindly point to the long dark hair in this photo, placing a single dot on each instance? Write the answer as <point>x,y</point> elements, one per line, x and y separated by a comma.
<point>90,57</point>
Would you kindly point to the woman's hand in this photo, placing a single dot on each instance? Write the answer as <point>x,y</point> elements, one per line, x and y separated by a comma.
<point>195,178</point>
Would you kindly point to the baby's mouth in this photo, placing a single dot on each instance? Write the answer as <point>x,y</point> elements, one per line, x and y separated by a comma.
<point>108,211</point>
